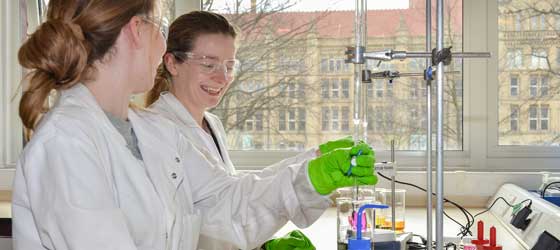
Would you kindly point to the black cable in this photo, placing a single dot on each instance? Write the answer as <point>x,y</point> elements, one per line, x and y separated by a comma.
<point>467,214</point>
<point>464,228</point>
<point>547,186</point>
<point>502,198</point>
<point>494,203</point>
<point>412,245</point>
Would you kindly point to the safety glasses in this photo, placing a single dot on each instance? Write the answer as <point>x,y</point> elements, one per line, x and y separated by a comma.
<point>160,22</point>
<point>211,65</point>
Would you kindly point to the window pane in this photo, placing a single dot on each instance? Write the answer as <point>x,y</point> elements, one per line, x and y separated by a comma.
<point>325,118</point>
<point>544,117</point>
<point>334,88</point>
<point>324,65</point>
<point>514,118</point>
<point>259,121</point>
<point>334,118</point>
<point>282,120</point>
<point>514,85</point>
<point>325,88</point>
<point>533,117</point>
<point>292,119</point>
<point>345,88</point>
<point>344,122</point>
<point>301,119</point>
<point>295,43</point>
<point>533,23</point>
<point>544,85</point>
<point>533,86</point>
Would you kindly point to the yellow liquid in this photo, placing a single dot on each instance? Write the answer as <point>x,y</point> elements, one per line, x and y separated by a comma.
<point>385,223</point>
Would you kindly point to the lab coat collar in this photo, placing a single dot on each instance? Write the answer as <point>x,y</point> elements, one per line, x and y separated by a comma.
<point>82,96</point>
<point>182,113</point>
<point>169,105</point>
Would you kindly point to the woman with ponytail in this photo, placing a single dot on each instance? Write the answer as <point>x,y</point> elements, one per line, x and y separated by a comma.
<point>97,174</point>
<point>84,181</point>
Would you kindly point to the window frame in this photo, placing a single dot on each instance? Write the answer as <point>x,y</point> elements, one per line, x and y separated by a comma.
<point>496,157</point>
<point>480,150</point>
<point>11,143</point>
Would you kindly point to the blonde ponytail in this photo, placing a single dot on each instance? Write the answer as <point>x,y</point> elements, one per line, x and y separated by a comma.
<point>162,83</point>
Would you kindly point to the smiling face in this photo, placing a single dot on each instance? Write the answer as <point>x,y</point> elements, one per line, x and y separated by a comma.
<point>195,84</point>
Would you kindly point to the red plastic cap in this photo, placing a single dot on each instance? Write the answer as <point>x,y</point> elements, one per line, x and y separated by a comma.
<point>480,235</point>
<point>492,245</point>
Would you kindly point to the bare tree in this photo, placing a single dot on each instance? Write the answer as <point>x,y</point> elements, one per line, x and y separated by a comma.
<point>276,66</point>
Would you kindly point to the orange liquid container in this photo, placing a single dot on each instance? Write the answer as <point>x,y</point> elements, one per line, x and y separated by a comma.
<point>383,219</point>
<point>399,225</point>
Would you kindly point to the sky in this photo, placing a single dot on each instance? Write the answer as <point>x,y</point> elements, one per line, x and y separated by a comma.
<point>321,5</point>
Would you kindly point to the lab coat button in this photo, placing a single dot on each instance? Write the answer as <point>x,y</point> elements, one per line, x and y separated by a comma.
<point>177,159</point>
<point>174,175</point>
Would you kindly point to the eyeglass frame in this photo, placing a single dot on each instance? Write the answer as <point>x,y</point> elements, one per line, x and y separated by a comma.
<point>161,23</point>
<point>215,67</point>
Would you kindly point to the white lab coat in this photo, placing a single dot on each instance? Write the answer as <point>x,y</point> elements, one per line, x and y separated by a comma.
<point>170,107</point>
<point>77,186</point>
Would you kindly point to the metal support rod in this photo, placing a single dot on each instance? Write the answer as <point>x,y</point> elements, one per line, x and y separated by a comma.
<point>388,55</point>
<point>454,54</point>
<point>429,130</point>
<point>393,203</point>
<point>439,137</point>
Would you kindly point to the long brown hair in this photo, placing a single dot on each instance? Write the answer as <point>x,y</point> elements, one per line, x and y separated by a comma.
<point>182,35</point>
<point>62,51</point>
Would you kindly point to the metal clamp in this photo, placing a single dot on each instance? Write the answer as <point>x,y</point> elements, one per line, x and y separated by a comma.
<point>443,55</point>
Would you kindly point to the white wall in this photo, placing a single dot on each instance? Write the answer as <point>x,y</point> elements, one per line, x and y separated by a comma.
<point>184,6</point>
<point>10,75</point>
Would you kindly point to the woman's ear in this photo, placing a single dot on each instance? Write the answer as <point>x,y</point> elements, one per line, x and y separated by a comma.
<point>170,64</point>
<point>132,31</point>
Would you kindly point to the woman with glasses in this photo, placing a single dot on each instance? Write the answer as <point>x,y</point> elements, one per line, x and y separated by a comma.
<point>198,67</point>
<point>97,174</point>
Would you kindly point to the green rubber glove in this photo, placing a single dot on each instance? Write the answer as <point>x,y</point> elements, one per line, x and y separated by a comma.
<point>295,240</point>
<point>330,171</point>
<point>329,146</point>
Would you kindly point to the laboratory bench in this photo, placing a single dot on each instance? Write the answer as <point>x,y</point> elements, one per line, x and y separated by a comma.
<point>323,232</point>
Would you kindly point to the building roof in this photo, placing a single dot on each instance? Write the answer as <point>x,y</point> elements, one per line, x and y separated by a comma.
<point>381,23</point>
